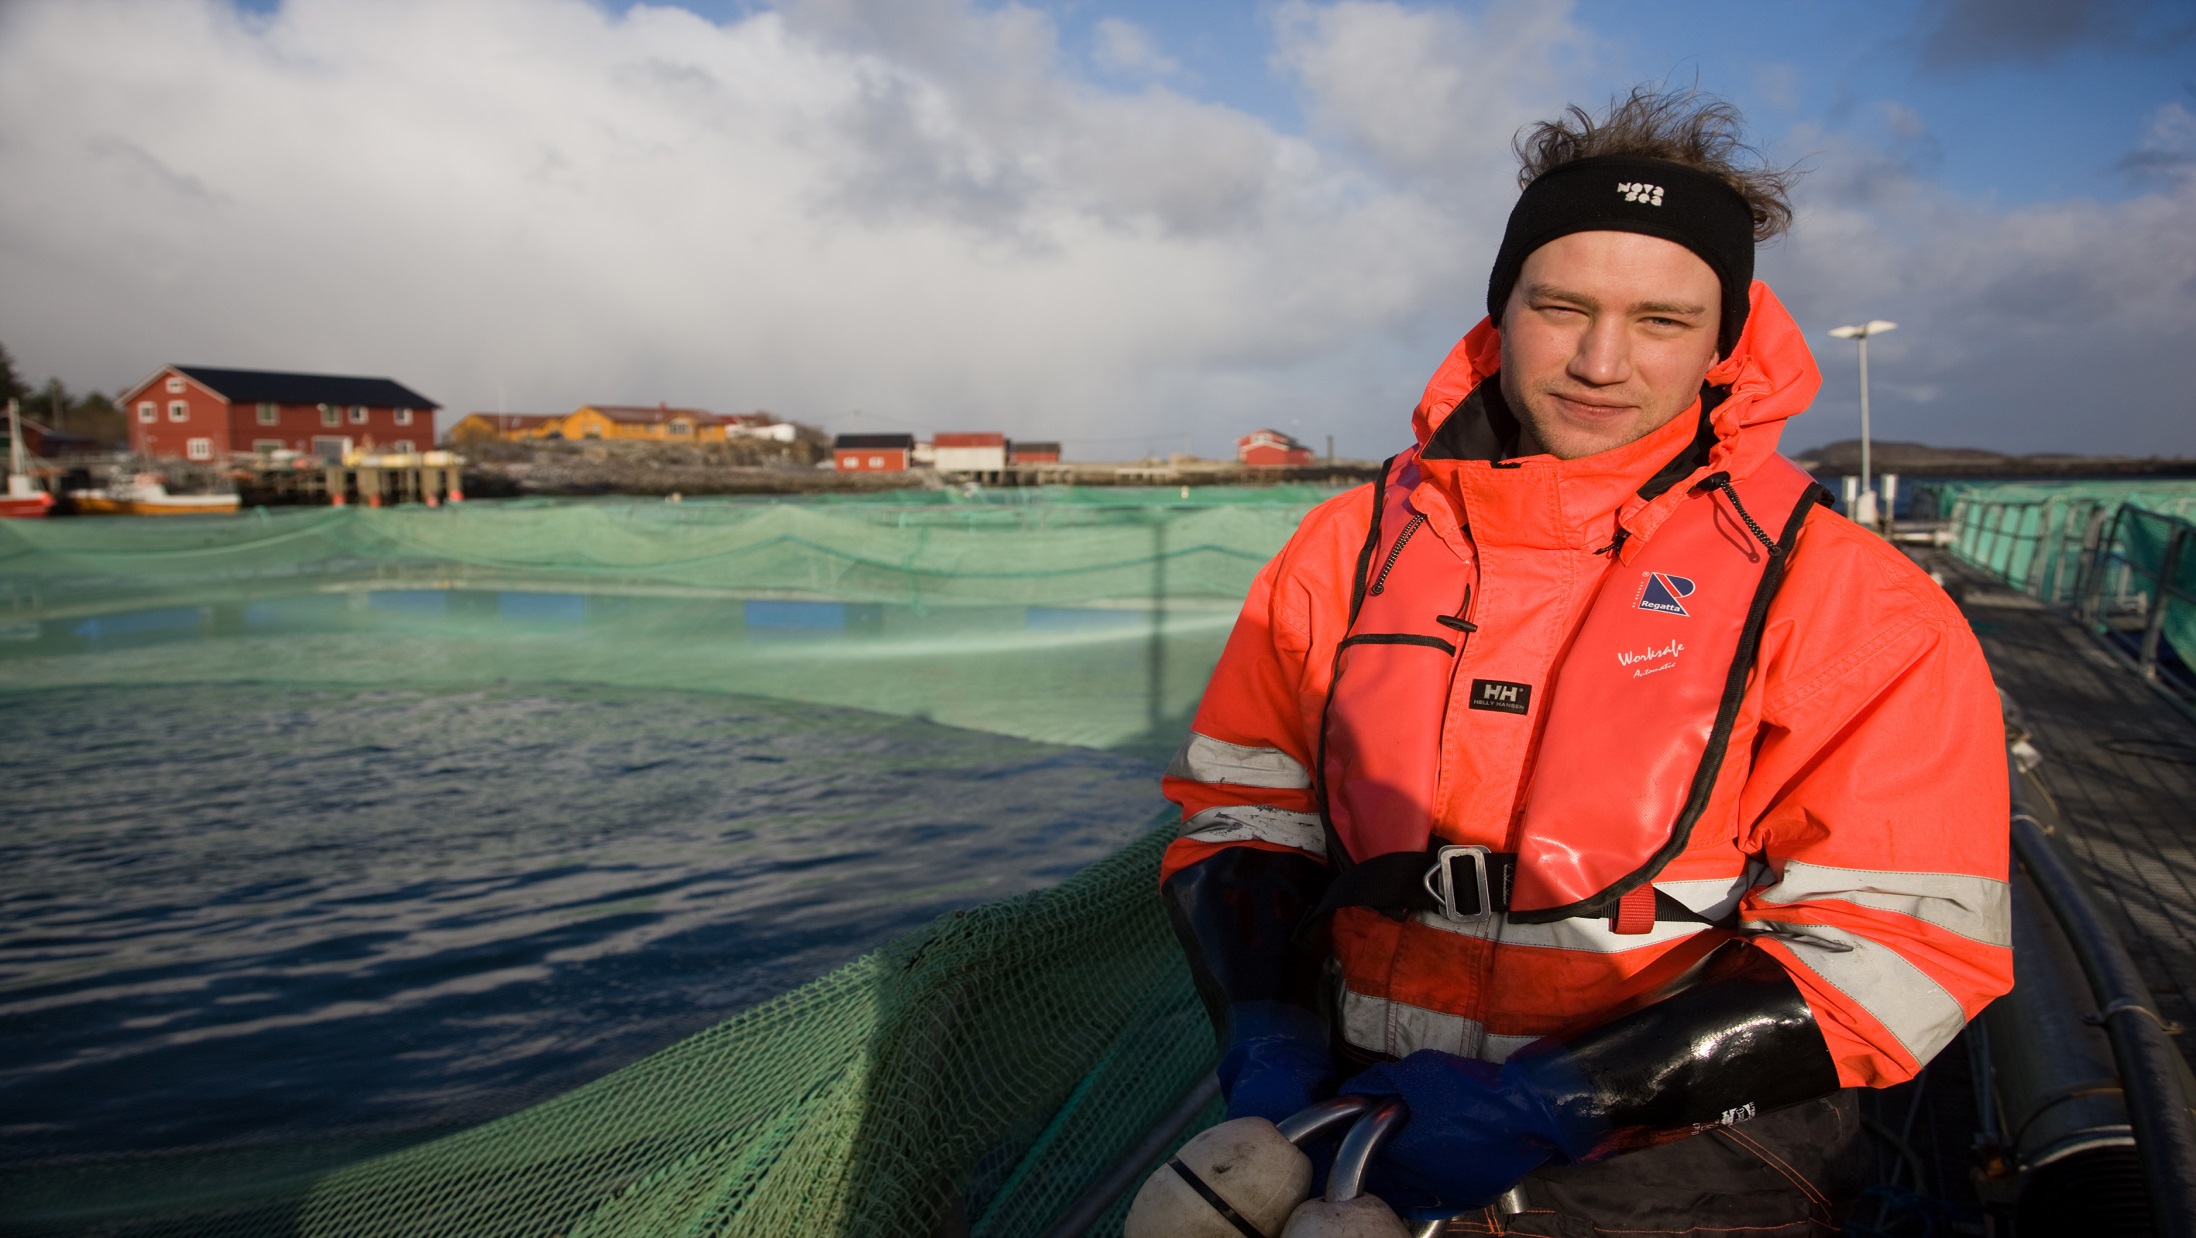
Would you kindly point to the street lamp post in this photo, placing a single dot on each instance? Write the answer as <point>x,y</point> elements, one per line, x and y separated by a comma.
<point>1864,507</point>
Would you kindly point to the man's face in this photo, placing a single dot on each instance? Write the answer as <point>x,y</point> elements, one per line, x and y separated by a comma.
<point>1606,337</point>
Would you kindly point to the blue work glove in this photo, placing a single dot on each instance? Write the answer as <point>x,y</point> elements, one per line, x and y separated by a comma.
<point>1475,1128</point>
<point>1276,1062</point>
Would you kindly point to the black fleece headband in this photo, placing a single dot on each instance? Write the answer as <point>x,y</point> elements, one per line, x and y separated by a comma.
<point>1626,193</point>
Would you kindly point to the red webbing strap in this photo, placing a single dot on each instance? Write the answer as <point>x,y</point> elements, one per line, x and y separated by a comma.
<point>1635,912</point>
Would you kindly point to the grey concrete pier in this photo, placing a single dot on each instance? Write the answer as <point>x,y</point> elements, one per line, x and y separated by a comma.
<point>2120,760</point>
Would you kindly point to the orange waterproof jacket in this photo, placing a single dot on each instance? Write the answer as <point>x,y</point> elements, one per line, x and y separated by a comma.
<point>1856,829</point>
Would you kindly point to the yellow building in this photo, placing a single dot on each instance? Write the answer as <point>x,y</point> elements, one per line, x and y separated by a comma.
<point>661,423</point>
<point>510,427</point>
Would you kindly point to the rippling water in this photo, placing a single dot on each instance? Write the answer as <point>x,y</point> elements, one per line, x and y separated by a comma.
<point>248,914</point>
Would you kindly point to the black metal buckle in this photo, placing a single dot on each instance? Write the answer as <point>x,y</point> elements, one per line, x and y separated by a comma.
<point>1441,882</point>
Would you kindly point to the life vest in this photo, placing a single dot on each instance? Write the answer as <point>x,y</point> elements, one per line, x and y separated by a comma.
<point>1633,724</point>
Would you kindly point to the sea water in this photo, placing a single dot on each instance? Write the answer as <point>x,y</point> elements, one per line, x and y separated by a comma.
<point>238,914</point>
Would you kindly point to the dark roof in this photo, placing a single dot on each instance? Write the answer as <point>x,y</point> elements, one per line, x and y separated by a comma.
<point>274,387</point>
<point>905,442</point>
<point>1023,445</point>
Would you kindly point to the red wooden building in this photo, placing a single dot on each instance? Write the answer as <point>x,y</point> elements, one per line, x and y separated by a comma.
<point>873,453</point>
<point>1019,452</point>
<point>1272,449</point>
<point>200,412</point>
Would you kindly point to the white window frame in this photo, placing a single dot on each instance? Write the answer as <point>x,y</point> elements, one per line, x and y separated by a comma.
<point>404,416</point>
<point>178,411</point>
<point>330,415</point>
<point>876,462</point>
<point>148,412</point>
<point>270,414</point>
<point>175,385</point>
<point>199,448</point>
<point>358,414</point>
<point>264,445</point>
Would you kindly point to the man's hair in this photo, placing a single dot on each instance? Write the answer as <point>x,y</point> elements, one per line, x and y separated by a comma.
<point>1684,126</point>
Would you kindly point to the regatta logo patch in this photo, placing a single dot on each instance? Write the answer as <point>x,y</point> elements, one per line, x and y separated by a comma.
<point>1662,591</point>
<point>1638,191</point>
<point>1503,698</point>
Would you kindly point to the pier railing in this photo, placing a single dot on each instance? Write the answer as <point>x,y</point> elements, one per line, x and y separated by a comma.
<point>2120,567</point>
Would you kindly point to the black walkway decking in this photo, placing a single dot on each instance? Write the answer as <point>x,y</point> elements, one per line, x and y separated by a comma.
<point>2121,762</point>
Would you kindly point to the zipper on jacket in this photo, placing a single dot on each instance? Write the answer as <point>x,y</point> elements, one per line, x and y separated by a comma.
<point>1395,552</point>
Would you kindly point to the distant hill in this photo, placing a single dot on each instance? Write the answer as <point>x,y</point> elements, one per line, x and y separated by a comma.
<point>1921,459</point>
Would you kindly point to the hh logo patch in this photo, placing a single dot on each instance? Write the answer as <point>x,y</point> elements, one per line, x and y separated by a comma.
<point>1507,698</point>
<point>1664,592</point>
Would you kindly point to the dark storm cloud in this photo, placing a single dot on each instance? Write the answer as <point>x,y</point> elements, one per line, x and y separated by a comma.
<point>1964,33</point>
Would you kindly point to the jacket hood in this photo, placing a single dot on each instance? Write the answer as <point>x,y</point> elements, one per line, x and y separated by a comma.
<point>1770,376</point>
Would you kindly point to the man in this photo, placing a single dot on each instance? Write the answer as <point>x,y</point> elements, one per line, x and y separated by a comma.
<point>1586,781</point>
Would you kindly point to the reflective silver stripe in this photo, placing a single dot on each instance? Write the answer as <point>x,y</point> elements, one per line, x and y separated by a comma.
<point>1879,979</point>
<point>1243,823</point>
<point>1400,1029</point>
<point>1974,907</point>
<point>1712,897</point>
<point>1589,936</point>
<point>1205,759</point>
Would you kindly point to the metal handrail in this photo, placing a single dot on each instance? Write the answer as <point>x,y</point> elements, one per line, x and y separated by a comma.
<point>2109,552</point>
<point>2151,1070</point>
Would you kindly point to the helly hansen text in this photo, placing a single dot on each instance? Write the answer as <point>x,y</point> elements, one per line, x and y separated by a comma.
<point>1506,698</point>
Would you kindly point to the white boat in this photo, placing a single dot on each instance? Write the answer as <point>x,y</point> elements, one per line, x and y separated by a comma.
<point>25,497</point>
<point>146,494</point>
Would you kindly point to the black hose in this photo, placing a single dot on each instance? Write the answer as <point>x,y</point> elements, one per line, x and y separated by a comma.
<point>2150,1065</point>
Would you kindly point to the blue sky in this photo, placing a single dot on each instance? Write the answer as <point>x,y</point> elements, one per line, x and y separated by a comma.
<point>1120,224</point>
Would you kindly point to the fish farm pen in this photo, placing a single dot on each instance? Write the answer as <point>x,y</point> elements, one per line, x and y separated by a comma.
<point>1008,1065</point>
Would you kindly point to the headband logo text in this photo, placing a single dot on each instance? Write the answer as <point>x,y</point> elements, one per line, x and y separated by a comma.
<point>1639,191</point>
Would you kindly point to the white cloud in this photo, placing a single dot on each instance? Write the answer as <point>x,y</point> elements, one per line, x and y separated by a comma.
<point>1431,94</point>
<point>1123,47</point>
<point>2053,326</point>
<point>910,208</point>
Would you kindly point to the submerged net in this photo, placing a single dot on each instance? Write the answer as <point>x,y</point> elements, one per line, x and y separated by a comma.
<point>978,1076</point>
<point>1079,622</point>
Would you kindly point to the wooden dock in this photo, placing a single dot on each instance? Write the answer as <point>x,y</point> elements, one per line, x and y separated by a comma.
<point>432,478</point>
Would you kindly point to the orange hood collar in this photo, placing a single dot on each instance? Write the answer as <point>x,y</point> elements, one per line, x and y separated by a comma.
<point>1770,373</point>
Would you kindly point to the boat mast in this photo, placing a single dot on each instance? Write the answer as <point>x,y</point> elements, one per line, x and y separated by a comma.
<point>15,438</point>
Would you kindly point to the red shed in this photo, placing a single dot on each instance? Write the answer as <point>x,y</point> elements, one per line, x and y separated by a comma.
<point>1272,449</point>
<point>201,412</point>
<point>1019,452</point>
<point>873,453</point>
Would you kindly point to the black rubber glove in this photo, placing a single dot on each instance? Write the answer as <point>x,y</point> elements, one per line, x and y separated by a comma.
<point>1236,913</point>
